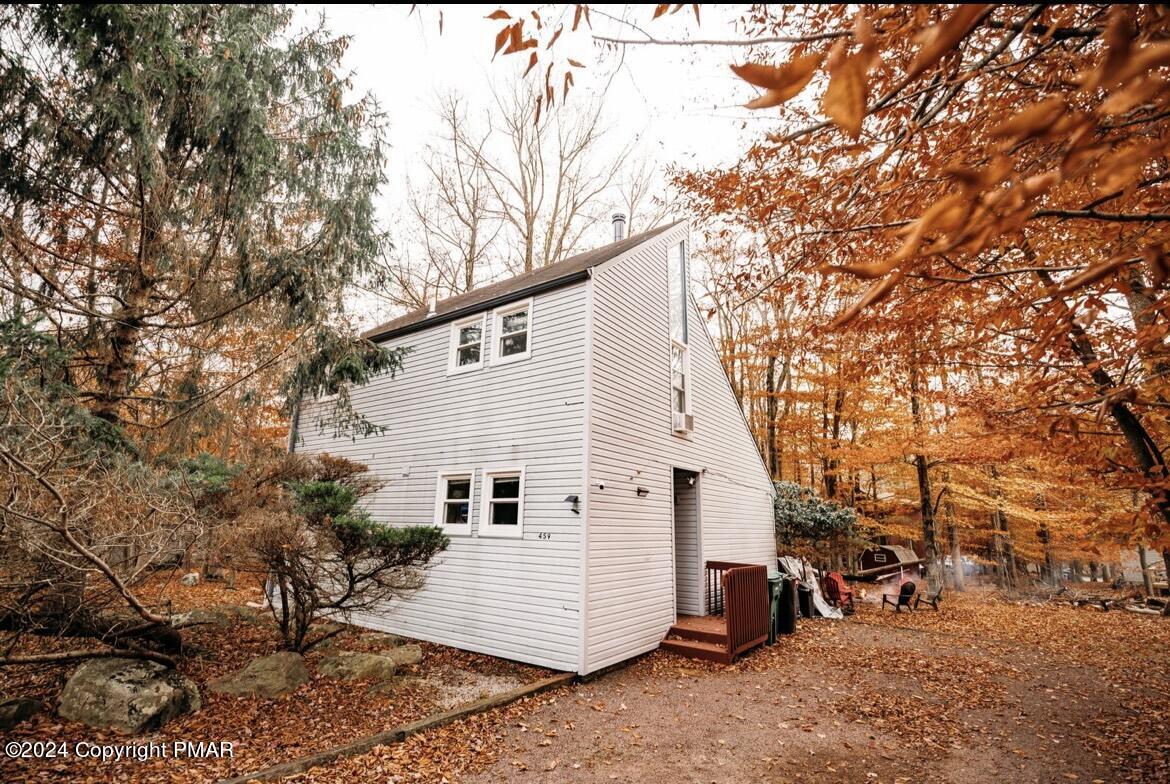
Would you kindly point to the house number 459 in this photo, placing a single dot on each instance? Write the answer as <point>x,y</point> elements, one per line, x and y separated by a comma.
<point>544,535</point>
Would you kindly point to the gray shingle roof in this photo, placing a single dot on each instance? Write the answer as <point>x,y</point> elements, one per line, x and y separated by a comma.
<point>526,284</point>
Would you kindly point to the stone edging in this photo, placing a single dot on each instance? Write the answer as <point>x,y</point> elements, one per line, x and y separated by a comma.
<point>401,732</point>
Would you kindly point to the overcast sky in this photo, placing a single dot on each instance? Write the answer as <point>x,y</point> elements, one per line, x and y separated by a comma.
<point>675,102</point>
<point>667,96</point>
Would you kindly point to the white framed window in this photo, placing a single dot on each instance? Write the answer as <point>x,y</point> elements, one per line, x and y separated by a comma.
<point>453,501</point>
<point>680,385</point>
<point>502,513</point>
<point>467,348</point>
<point>512,333</point>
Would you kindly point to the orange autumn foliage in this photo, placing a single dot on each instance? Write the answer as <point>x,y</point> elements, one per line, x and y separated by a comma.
<point>973,195</point>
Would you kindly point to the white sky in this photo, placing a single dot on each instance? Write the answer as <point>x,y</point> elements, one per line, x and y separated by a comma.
<point>678,103</point>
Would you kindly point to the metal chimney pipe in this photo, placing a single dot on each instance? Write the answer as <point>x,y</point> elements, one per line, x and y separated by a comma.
<point>619,226</point>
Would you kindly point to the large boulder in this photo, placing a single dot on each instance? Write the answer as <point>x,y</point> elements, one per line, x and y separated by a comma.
<point>220,615</point>
<point>383,640</point>
<point>130,695</point>
<point>15,710</point>
<point>405,655</point>
<point>268,676</point>
<point>359,666</point>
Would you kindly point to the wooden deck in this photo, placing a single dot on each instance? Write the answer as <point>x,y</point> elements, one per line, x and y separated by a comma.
<point>737,615</point>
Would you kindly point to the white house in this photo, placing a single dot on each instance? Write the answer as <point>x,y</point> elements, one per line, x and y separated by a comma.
<point>574,432</point>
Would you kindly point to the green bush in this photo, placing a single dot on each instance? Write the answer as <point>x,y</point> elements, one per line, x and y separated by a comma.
<point>320,500</point>
<point>801,515</point>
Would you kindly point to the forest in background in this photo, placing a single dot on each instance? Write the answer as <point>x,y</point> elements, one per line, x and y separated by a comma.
<point>938,284</point>
<point>939,276</point>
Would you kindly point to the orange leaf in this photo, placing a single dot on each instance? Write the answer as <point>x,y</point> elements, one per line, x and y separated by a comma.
<point>780,83</point>
<point>873,295</point>
<point>1032,120</point>
<point>798,70</point>
<point>1159,264</point>
<point>531,63</point>
<point>846,99</point>
<point>1146,59</point>
<point>498,15</point>
<point>502,39</point>
<point>1119,38</point>
<point>945,36</point>
<point>1039,184</point>
<point>661,9</point>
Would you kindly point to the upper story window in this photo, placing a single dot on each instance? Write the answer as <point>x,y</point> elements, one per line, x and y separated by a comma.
<point>453,501</point>
<point>680,360</point>
<point>467,338</point>
<point>678,293</point>
<point>512,327</point>
<point>678,379</point>
<point>503,502</point>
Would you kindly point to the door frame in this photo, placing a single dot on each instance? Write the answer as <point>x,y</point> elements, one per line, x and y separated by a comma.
<point>698,564</point>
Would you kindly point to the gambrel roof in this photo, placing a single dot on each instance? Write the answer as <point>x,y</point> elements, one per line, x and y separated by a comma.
<point>571,270</point>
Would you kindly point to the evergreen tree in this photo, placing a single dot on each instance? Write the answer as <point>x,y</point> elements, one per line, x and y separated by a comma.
<point>171,174</point>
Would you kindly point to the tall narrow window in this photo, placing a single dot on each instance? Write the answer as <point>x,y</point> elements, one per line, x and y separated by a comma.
<point>466,345</point>
<point>678,293</point>
<point>512,327</point>
<point>453,501</point>
<point>680,389</point>
<point>503,503</point>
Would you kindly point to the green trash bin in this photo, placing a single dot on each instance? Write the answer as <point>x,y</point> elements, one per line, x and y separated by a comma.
<point>774,587</point>
<point>786,622</point>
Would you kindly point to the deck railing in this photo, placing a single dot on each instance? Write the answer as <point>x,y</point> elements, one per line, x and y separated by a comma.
<point>739,592</point>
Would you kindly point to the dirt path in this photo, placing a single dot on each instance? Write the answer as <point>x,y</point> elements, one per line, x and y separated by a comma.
<point>876,704</point>
<point>979,693</point>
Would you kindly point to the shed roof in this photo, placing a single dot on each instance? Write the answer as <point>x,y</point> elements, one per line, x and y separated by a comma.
<point>526,284</point>
<point>904,554</point>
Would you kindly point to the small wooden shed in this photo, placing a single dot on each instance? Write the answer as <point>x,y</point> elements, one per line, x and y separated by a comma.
<point>887,559</point>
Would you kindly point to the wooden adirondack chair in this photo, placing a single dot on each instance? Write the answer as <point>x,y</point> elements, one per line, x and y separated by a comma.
<point>902,598</point>
<point>929,598</point>
<point>837,593</point>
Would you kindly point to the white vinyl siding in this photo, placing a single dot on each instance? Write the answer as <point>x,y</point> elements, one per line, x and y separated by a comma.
<point>630,558</point>
<point>517,598</point>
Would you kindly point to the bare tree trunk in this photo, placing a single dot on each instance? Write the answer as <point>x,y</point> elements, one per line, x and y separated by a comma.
<point>1147,578</point>
<point>770,413</point>
<point>958,578</point>
<point>925,494</point>
<point>1166,562</point>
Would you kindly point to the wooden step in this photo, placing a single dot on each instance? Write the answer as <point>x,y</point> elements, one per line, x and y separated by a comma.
<point>696,649</point>
<point>689,632</point>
